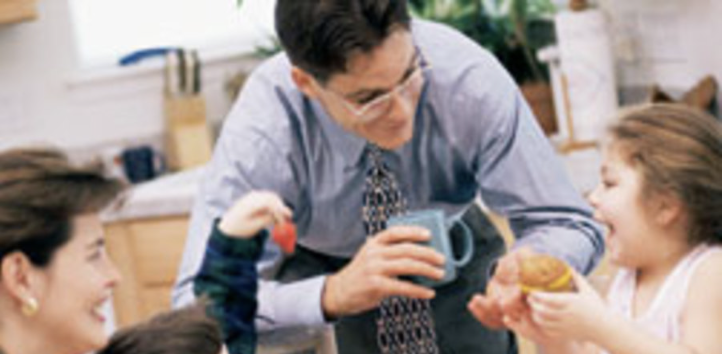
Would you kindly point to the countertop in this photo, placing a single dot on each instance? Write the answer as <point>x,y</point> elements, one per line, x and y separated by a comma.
<point>168,195</point>
<point>173,194</point>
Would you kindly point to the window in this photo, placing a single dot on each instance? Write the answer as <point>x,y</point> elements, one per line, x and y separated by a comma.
<point>106,30</point>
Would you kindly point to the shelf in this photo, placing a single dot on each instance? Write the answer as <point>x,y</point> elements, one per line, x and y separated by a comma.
<point>13,11</point>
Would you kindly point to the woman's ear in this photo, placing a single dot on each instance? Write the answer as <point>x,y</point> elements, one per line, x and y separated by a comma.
<point>17,275</point>
<point>305,82</point>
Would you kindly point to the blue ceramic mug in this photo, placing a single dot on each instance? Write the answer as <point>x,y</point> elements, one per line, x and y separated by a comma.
<point>435,221</point>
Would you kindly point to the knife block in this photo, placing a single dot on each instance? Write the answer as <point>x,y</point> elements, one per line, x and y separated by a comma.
<point>188,137</point>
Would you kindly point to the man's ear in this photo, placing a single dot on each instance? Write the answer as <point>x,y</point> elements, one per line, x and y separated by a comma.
<point>305,82</point>
<point>16,271</point>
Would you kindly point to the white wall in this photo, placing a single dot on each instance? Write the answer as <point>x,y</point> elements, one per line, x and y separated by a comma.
<point>46,97</point>
<point>669,42</point>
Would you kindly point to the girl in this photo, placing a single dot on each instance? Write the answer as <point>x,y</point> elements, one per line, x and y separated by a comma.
<point>661,199</point>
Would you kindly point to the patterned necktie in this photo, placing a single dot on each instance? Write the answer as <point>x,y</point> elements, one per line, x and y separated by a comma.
<point>404,325</point>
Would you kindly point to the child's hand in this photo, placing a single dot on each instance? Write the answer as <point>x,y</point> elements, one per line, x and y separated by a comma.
<point>574,315</point>
<point>252,213</point>
<point>524,326</point>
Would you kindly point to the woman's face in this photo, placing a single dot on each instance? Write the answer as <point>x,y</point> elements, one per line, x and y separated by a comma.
<point>74,287</point>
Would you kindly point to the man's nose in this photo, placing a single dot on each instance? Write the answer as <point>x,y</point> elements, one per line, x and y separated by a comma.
<point>402,106</point>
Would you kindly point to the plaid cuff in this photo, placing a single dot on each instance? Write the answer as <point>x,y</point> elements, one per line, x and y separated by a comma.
<point>234,247</point>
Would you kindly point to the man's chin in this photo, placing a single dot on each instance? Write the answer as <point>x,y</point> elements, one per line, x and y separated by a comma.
<point>395,141</point>
<point>392,144</point>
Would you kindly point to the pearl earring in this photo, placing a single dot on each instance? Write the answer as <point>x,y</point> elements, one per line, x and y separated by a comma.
<point>30,307</point>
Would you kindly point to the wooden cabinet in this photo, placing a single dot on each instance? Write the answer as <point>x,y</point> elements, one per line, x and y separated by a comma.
<point>12,11</point>
<point>147,253</point>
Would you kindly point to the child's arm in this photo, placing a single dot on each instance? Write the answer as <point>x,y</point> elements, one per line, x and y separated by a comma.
<point>228,275</point>
<point>547,343</point>
<point>580,317</point>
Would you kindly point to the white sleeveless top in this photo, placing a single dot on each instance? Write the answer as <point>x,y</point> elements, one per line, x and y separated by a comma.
<point>663,317</point>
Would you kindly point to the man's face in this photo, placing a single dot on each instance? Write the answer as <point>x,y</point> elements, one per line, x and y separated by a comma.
<point>377,97</point>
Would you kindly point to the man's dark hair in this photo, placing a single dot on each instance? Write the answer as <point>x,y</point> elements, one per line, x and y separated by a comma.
<point>320,36</point>
<point>40,193</point>
<point>184,331</point>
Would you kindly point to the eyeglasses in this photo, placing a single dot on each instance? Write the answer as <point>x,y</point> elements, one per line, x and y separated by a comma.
<point>381,105</point>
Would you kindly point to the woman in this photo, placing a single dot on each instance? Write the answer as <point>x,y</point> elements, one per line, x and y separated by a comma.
<point>55,275</point>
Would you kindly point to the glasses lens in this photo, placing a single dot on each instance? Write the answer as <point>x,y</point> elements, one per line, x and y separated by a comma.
<point>376,108</point>
<point>412,87</point>
<point>408,90</point>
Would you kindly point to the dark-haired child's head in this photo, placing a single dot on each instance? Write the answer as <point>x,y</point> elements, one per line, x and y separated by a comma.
<point>183,331</point>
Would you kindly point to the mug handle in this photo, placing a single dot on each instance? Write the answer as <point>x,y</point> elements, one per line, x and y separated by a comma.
<point>468,244</point>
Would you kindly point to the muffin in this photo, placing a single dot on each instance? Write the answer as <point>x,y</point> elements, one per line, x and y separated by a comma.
<point>541,272</point>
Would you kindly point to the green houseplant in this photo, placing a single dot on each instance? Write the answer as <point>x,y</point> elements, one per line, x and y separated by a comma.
<point>511,29</point>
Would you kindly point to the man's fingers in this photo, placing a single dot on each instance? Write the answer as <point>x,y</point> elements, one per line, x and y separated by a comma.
<point>396,287</point>
<point>507,270</point>
<point>512,302</point>
<point>414,251</point>
<point>486,311</point>
<point>397,234</point>
<point>401,267</point>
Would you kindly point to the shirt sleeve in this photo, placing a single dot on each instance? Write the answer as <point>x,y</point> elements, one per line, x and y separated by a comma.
<point>520,176</point>
<point>228,278</point>
<point>249,156</point>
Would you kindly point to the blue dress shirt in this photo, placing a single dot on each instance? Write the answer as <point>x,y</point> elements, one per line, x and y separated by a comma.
<point>474,136</point>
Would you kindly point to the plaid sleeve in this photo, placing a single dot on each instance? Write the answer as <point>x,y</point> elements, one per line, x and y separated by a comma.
<point>228,278</point>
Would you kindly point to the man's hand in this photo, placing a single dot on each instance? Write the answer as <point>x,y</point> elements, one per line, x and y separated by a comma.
<point>373,273</point>
<point>503,295</point>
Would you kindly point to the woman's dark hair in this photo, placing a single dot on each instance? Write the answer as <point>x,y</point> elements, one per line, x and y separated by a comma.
<point>185,331</point>
<point>40,193</point>
<point>677,149</point>
<point>320,36</point>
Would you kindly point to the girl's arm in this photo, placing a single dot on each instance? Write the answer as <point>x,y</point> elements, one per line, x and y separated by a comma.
<point>575,317</point>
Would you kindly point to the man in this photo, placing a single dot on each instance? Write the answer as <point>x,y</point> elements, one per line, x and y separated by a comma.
<point>444,118</point>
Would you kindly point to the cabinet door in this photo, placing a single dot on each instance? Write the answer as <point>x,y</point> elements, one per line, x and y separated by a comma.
<point>12,11</point>
<point>147,253</point>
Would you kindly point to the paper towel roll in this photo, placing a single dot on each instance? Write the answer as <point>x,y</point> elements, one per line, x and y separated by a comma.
<point>587,64</point>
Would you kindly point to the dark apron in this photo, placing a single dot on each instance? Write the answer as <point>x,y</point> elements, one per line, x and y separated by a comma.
<point>458,332</point>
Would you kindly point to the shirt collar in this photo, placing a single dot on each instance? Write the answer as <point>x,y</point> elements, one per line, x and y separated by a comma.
<point>347,144</point>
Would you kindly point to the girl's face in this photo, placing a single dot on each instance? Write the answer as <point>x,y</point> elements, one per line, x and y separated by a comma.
<point>72,290</point>
<point>618,204</point>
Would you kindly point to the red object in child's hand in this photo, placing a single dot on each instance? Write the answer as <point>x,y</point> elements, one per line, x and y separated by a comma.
<point>284,234</point>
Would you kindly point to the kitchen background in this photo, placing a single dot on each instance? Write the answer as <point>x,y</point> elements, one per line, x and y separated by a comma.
<point>57,88</point>
<point>47,94</point>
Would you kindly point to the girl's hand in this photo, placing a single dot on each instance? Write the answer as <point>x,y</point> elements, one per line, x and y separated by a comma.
<point>252,213</point>
<point>575,316</point>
